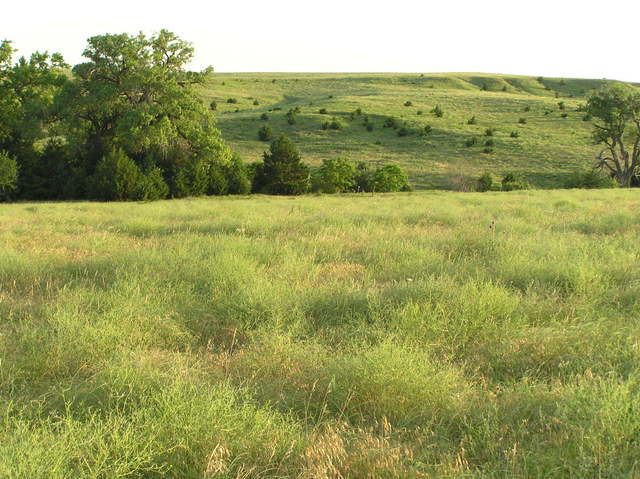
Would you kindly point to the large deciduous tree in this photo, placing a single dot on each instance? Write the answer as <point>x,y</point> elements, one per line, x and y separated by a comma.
<point>616,113</point>
<point>135,94</point>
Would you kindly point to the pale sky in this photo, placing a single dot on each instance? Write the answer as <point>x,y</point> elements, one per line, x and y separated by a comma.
<point>553,38</point>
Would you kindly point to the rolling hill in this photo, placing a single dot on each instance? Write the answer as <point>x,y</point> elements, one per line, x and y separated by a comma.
<point>550,140</point>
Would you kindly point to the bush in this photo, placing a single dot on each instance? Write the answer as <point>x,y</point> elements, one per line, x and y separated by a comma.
<point>323,111</point>
<point>335,176</point>
<point>471,121</point>
<point>489,132</point>
<point>232,100</point>
<point>283,172</point>
<point>513,181</point>
<point>332,125</point>
<point>154,187</point>
<point>473,141</point>
<point>389,178</point>
<point>419,112</point>
<point>408,103</point>
<point>369,126</point>
<point>265,133</point>
<point>8,175</point>
<point>587,117</point>
<point>590,179</point>
<point>438,112</point>
<point>256,102</point>
<point>291,117</point>
<point>404,131</point>
<point>489,142</point>
<point>213,106</point>
<point>527,108</point>
<point>117,177</point>
<point>238,176</point>
<point>427,130</point>
<point>561,105</point>
<point>264,117</point>
<point>514,134</point>
<point>488,150</point>
<point>358,111</point>
<point>485,182</point>
<point>218,183</point>
<point>522,121</point>
<point>564,115</point>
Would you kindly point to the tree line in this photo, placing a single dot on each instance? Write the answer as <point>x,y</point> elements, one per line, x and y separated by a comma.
<point>128,124</point>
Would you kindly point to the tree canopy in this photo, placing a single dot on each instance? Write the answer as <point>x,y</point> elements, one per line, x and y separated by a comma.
<point>616,113</point>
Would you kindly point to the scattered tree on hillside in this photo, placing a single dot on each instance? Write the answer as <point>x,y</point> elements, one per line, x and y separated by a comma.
<point>616,113</point>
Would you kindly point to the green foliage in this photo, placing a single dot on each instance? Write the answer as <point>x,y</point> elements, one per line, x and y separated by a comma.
<point>408,103</point>
<point>403,131</point>
<point>8,175</point>
<point>590,179</point>
<point>485,182</point>
<point>472,120</point>
<point>264,117</point>
<point>470,142</point>
<point>489,132</point>
<point>390,122</point>
<point>513,181</point>
<point>389,178</point>
<point>232,100</point>
<point>291,117</point>
<point>283,172</point>
<point>256,102</point>
<point>427,130</point>
<point>117,178</point>
<point>335,176</point>
<point>323,111</point>
<point>522,121</point>
<point>265,133</point>
<point>437,111</point>
<point>514,134</point>
<point>489,142</point>
<point>213,106</point>
<point>238,177</point>
<point>561,105</point>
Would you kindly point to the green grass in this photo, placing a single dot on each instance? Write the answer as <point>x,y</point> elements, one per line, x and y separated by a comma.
<point>547,150</point>
<point>365,336</point>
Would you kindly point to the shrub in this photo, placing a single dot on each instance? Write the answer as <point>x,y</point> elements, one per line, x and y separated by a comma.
<point>264,117</point>
<point>154,187</point>
<point>265,133</point>
<point>489,132</point>
<point>437,111</point>
<point>522,121</point>
<point>335,176</point>
<point>472,120</point>
<point>408,103</point>
<point>213,106</point>
<point>404,131</point>
<point>473,141</point>
<point>504,88</point>
<point>117,177</point>
<point>322,111</point>
<point>587,117</point>
<point>427,130</point>
<point>488,150</point>
<point>390,178</point>
<point>283,172</point>
<point>335,125</point>
<point>564,115</point>
<point>390,123</point>
<point>369,126</point>
<point>527,108</point>
<point>419,112</point>
<point>590,179</point>
<point>513,181</point>
<point>489,142</point>
<point>291,117</point>
<point>218,183</point>
<point>8,175</point>
<point>232,100</point>
<point>358,111</point>
<point>561,105</point>
<point>514,134</point>
<point>238,176</point>
<point>256,102</point>
<point>485,182</point>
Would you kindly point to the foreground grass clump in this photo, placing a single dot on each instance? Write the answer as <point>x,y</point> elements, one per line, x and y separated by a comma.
<point>488,335</point>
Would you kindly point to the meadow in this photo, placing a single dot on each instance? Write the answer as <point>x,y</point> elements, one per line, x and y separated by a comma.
<point>415,335</point>
<point>551,142</point>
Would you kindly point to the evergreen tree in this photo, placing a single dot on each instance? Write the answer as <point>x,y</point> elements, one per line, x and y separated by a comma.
<point>284,172</point>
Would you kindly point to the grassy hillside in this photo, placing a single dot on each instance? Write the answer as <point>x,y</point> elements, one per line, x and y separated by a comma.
<point>271,338</point>
<point>548,148</point>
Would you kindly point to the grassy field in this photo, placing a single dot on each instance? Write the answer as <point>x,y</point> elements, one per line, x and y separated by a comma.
<point>386,336</point>
<point>548,148</point>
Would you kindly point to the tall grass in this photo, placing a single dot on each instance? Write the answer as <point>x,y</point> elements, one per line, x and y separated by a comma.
<point>359,336</point>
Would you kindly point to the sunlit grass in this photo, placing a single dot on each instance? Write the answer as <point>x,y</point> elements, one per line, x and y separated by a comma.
<point>322,337</point>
